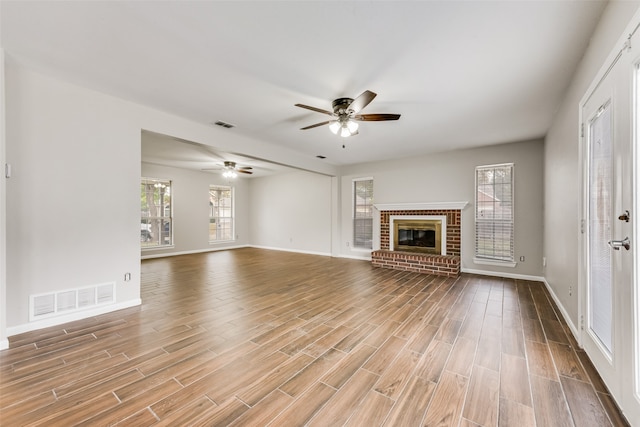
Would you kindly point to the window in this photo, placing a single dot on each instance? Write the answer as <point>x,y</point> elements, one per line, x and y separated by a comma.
<point>156,222</point>
<point>220,213</point>
<point>363,213</point>
<point>494,212</point>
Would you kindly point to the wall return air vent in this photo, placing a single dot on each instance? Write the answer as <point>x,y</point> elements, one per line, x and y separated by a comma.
<point>68,301</point>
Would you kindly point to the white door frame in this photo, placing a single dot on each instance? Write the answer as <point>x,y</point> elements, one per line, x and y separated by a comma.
<point>623,385</point>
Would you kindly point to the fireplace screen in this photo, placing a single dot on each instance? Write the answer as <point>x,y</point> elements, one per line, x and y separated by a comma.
<point>417,236</point>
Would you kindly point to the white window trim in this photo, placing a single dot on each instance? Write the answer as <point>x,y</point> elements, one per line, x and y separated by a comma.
<point>353,216</point>
<point>233,216</point>
<point>494,262</point>
<point>353,193</point>
<point>171,217</point>
<point>489,261</point>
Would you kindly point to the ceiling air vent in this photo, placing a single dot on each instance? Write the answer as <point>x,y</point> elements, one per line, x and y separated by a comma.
<point>224,124</point>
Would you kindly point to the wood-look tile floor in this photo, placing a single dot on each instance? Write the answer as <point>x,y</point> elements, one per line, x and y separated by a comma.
<point>251,337</point>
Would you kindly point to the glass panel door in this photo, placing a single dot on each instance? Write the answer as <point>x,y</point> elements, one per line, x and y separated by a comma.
<point>599,219</point>
<point>609,277</point>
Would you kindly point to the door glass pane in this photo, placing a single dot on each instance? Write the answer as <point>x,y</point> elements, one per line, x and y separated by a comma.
<point>600,187</point>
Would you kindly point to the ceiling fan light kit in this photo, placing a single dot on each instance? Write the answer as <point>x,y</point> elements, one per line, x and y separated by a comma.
<point>344,128</point>
<point>345,111</point>
<point>231,170</point>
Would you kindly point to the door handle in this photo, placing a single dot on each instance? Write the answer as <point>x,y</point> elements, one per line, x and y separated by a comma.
<point>617,244</point>
<point>625,216</point>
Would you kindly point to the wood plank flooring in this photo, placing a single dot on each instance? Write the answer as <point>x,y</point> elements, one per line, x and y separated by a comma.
<point>252,337</point>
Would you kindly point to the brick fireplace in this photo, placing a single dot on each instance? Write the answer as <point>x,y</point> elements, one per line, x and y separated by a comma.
<point>445,264</point>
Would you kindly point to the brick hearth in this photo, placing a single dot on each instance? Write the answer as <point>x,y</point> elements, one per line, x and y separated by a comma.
<point>443,265</point>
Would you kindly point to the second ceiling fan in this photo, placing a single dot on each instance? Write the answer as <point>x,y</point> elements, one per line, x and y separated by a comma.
<point>346,111</point>
<point>231,170</point>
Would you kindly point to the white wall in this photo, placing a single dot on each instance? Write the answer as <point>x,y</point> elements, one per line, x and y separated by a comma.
<point>450,177</point>
<point>71,205</point>
<point>190,193</point>
<point>73,201</point>
<point>70,202</point>
<point>562,174</point>
<point>292,211</point>
<point>4,343</point>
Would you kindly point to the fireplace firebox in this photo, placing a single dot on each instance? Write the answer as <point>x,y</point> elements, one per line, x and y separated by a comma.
<point>412,235</point>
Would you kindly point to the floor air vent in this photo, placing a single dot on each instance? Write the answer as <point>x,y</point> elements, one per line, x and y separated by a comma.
<point>71,300</point>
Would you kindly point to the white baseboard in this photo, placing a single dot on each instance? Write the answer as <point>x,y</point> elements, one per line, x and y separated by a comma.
<point>359,258</point>
<point>79,315</point>
<point>4,344</point>
<point>356,257</point>
<point>564,313</point>
<point>505,275</point>
<point>271,248</point>
<point>198,251</point>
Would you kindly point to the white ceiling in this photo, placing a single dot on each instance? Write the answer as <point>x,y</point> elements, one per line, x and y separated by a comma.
<point>167,150</point>
<point>461,73</point>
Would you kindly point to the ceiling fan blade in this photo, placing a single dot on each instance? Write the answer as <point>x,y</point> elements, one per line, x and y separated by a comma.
<point>318,110</point>
<point>361,101</point>
<point>317,124</point>
<point>376,117</point>
<point>244,171</point>
<point>246,168</point>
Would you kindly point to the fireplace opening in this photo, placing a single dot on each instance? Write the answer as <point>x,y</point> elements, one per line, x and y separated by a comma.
<point>417,236</point>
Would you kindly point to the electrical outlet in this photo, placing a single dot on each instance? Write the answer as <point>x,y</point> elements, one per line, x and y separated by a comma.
<point>347,244</point>
<point>570,290</point>
<point>522,258</point>
<point>544,261</point>
<point>127,277</point>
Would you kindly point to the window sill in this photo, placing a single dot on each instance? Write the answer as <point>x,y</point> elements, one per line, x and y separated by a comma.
<point>157,248</point>
<point>220,242</point>
<point>495,263</point>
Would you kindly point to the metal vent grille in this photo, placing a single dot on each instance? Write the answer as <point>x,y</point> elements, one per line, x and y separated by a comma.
<point>43,305</point>
<point>224,124</point>
<point>66,300</point>
<point>71,300</point>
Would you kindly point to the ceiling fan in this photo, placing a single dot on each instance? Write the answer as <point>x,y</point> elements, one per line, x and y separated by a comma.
<point>346,111</point>
<point>231,170</point>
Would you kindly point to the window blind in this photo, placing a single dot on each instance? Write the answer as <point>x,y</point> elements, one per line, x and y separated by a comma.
<point>494,212</point>
<point>363,213</point>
